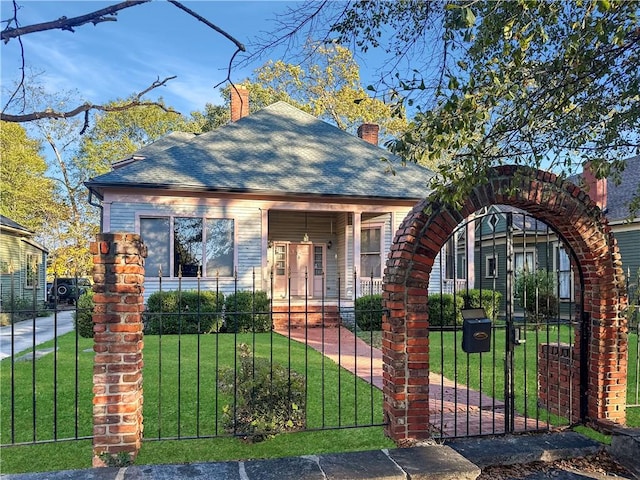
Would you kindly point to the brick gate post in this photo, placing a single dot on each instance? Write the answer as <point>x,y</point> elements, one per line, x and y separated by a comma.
<point>118,276</point>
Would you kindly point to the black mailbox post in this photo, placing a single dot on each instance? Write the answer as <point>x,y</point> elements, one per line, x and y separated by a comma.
<point>476,331</point>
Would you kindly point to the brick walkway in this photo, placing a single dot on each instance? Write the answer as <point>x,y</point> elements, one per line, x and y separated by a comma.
<point>455,410</point>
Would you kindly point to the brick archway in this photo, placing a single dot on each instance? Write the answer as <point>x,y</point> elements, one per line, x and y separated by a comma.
<point>565,208</point>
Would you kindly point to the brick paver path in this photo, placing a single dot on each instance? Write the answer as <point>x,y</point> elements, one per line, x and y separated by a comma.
<point>455,410</point>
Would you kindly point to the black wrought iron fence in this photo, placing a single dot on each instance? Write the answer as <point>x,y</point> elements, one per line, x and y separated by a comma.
<point>228,361</point>
<point>232,363</point>
<point>46,367</point>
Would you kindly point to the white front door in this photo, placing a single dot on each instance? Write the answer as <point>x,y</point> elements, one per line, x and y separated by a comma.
<point>300,264</point>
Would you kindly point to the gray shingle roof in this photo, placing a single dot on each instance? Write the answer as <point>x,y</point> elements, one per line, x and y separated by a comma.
<point>619,196</point>
<point>8,223</point>
<point>278,149</point>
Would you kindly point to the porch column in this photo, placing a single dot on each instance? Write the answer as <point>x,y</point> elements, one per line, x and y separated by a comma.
<point>357,231</point>
<point>471,243</point>
<point>264,248</point>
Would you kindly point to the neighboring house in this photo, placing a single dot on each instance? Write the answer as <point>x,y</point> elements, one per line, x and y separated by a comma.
<point>293,205</point>
<point>22,264</point>
<point>535,246</point>
<point>615,199</point>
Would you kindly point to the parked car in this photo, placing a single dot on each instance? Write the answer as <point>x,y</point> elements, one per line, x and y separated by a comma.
<point>67,289</point>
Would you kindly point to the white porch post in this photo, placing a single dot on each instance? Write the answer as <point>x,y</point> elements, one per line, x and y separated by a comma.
<point>264,248</point>
<point>357,230</point>
<point>471,241</point>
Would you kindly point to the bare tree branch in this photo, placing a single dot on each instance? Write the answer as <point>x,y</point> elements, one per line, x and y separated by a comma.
<point>64,23</point>
<point>208,24</point>
<point>136,101</point>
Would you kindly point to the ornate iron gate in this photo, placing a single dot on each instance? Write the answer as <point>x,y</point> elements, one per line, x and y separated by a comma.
<point>514,280</point>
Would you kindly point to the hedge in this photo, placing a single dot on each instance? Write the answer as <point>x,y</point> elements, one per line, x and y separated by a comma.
<point>368,311</point>
<point>247,311</point>
<point>187,311</point>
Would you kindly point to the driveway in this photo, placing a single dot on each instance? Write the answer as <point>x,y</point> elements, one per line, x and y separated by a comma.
<point>44,329</point>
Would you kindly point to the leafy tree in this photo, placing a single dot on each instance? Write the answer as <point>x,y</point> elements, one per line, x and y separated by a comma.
<point>326,85</point>
<point>115,134</point>
<point>544,84</point>
<point>25,190</point>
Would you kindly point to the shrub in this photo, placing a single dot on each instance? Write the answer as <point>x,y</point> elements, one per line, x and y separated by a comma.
<point>247,311</point>
<point>443,311</point>
<point>369,312</point>
<point>270,398</point>
<point>490,301</point>
<point>21,309</point>
<point>173,312</point>
<point>83,316</point>
<point>540,285</point>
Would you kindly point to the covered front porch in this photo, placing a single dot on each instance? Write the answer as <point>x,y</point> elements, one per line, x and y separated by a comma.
<point>326,256</point>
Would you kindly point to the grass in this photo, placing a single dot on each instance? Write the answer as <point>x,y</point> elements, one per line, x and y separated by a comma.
<point>445,346</point>
<point>198,411</point>
<point>181,401</point>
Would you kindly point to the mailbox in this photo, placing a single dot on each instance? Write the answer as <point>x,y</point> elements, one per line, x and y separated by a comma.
<point>476,331</point>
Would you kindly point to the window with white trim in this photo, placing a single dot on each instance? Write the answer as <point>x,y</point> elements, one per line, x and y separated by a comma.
<point>31,278</point>
<point>189,246</point>
<point>371,252</point>
<point>563,267</point>
<point>491,266</point>
<point>524,262</point>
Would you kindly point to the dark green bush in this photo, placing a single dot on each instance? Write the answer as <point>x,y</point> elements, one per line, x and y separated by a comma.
<point>270,398</point>
<point>490,301</point>
<point>369,312</point>
<point>535,292</point>
<point>83,317</point>
<point>21,309</point>
<point>247,311</point>
<point>187,311</point>
<point>442,310</point>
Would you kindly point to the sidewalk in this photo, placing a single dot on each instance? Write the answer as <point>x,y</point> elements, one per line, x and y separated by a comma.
<point>30,333</point>
<point>457,460</point>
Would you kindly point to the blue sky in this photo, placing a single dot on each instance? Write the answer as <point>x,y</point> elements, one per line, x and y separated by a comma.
<point>149,41</point>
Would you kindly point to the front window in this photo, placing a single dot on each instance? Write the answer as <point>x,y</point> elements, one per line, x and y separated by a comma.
<point>524,262</point>
<point>564,274</point>
<point>370,252</point>
<point>202,246</point>
<point>491,270</point>
<point>32,270</point>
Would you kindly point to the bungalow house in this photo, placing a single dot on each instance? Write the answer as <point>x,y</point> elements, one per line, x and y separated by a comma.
<point>276,201</point>
<point>22,264</point>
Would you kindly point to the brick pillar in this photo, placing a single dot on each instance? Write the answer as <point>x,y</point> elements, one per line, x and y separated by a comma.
<point>118,276</point>
<point>559,380</point>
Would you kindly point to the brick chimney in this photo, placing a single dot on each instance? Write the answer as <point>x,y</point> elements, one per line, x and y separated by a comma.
<point>595,187</point>
<point>239,102</point>
<point>369,133</point>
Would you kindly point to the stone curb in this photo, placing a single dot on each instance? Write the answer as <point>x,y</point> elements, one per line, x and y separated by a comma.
<point>457,460</point>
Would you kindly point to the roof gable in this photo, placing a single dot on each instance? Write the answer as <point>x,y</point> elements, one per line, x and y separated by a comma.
<point>279,149</point>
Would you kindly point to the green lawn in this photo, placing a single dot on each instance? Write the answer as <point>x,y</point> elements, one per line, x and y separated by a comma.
<point>198,413</point>
<point>185,385</point>
<point>180,376</point>
<point>444,344</point>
